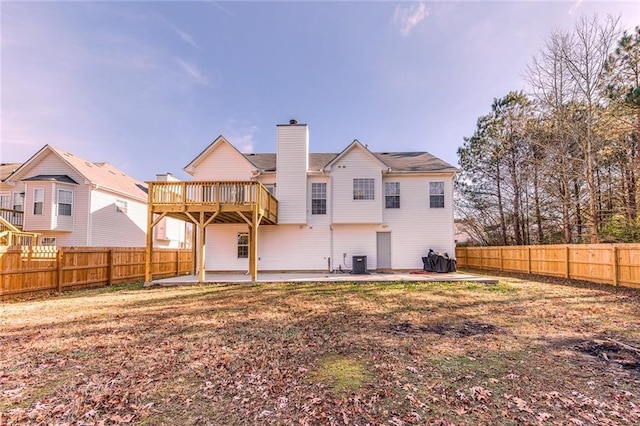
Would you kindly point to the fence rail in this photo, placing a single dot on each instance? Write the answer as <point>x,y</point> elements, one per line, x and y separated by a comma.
<point>613,264</point>
<point>27,269</point>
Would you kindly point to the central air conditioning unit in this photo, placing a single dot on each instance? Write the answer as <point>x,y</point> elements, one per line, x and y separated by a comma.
<point>359,265</point>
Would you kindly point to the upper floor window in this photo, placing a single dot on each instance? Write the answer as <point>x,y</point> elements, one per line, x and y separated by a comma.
<point>318,198</point>
<point>392,195</point>
<point>436,194</point>
<point>363,189</point>
<point>18,201</point>
<point>243,245</point>
<point>121,206</point>
<point>271,188</point>
<point>38,201</point>
<point>65,202</point>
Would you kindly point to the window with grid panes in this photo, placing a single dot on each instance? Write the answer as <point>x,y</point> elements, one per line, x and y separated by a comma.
<point>392,195</point>
<point>319,198</point>
<point>436,195</point>
<point>363,189</point>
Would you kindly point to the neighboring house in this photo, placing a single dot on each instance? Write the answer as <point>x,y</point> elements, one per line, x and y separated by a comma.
<point>391,207</point>
<point>70,201</point>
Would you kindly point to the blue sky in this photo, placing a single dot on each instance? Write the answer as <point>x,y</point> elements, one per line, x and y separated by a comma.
<point>148,85</point>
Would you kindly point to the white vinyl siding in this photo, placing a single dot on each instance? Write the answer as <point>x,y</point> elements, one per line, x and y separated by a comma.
<point>280,248</point>
<point>291,180</point>
<point>223,164</point>
<point>110,226</point>
<point>416,228</point>
<point>355,165</point>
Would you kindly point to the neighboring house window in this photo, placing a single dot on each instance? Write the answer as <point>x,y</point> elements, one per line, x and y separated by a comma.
<point>38,201</point>
<point>392,195</point>
<point>121,206</point>
<point>65,202</point>
<point>48,241</point>
<point>5,201</point>
<point>363,189</point>
<point>271,188</point>
<point>243,245</point>
<point>18,201</point>
<point>318,198</point>
<point>436,194</point>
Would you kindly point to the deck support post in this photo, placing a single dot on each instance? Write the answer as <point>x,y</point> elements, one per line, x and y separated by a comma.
<point>253,245</point>
<point>201,248</point>
<point>148,264</point>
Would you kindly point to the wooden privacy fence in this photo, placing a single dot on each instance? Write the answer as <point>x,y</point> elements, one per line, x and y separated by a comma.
<point>613,264</point>
<point>26,269</point>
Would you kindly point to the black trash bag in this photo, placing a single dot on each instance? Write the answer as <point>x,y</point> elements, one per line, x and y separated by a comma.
<point>438,262</point>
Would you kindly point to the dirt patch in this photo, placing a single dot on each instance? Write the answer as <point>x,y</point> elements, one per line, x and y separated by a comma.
<point>467,328</point>
<point>612,352</point>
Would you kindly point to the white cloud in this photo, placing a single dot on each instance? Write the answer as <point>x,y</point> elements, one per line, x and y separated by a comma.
<point>408,17</point>
<point>192,71</point>
<point>242,138</point>
<point>183,35</point>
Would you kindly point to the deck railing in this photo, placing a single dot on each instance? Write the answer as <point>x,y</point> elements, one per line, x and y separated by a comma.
<point>215,194</point>
<point>14,217</point>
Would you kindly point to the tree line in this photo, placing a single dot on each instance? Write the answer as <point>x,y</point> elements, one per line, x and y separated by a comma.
<point>559,162</point>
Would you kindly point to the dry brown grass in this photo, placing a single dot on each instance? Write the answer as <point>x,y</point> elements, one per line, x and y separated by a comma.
<point>520,352</point>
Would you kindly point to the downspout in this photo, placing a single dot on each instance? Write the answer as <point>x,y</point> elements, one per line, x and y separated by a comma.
<point>89,215</point>
<point>331,262</point>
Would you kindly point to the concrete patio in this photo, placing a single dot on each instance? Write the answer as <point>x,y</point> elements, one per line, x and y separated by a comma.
<point>301,277</point>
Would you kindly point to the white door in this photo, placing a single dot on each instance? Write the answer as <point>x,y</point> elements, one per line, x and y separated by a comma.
<point>384,250</point>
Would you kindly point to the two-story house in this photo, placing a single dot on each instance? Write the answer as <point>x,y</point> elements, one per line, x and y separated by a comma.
<point>70,201</point>
<point>391,207</point>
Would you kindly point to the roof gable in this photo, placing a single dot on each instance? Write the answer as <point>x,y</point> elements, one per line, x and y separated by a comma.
<point>102,175</point>
<point>356,145</point>
<point>220,140</point>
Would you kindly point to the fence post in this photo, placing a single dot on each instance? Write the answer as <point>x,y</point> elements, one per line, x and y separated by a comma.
<point>567,273</point>
<point>177,262</point>
<point>529,259</point>
<point>616,266</point>
<point>109,266</point>
<point>501,259</point>
<point>59,264</point>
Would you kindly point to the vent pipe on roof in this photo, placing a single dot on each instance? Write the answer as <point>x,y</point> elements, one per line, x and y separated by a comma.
<point>293,121</point>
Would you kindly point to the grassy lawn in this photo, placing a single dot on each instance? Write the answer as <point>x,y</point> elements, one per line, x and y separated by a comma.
<point>520,352</point>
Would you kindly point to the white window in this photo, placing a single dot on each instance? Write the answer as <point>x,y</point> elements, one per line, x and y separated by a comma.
<point>271,188</point>
<point>392,195</point>
<point>5,201</point>
<point>121,206</point>
<point>18,201</point>
<point>48,241</point>
<point>363,189</point>
<point>436,195</point>
<point>38,201</point>
<point>318,198</point>
<point>243,245</point>
<point>65,202</point>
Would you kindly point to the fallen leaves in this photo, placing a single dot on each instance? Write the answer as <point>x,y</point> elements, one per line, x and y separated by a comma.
<point>342,354</point>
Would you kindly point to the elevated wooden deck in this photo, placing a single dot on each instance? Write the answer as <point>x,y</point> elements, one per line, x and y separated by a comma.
<point>226,202</point>
<point>203,203</point>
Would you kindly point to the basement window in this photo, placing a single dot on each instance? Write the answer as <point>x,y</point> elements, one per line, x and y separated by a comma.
<point>243,245</point>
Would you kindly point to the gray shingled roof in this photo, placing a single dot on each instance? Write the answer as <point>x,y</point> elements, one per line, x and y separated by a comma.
<point>51,178</point>
<point>397,161</point>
